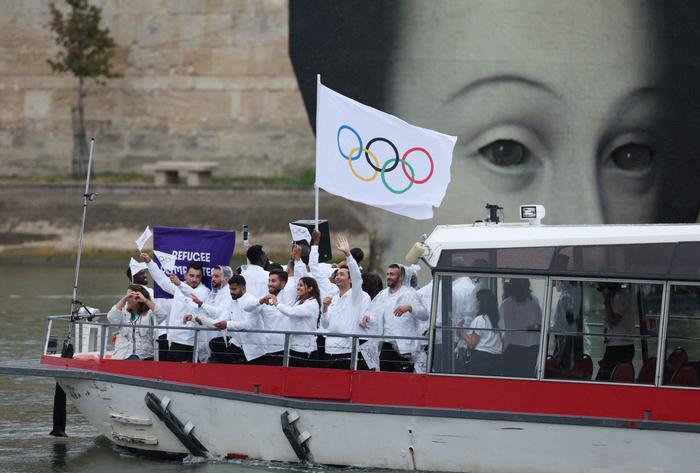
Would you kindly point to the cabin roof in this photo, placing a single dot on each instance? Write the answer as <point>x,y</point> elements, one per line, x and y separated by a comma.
<point>505,235</point>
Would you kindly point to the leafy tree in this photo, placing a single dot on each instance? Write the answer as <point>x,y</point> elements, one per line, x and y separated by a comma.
<point>86,51</point>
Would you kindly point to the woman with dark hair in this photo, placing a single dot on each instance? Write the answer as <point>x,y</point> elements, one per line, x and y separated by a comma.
<point>302,316</point>
<point>137,309</point>
<point>521,316</point>
<point>483,337</point>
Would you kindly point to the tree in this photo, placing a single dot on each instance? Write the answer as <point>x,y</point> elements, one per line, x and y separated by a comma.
<point>86,51</point>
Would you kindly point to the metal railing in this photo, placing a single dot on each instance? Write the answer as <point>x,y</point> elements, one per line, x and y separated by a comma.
<point>81,324</point>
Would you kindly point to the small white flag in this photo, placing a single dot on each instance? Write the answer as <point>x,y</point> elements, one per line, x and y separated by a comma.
<point>369,156</point>
<point>167,261</point>
<point>300,233</point>
<point>143,238</point>
<point>136,267</point>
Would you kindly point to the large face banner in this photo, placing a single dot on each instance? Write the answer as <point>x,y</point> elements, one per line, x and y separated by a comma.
<point>210,248</point>
<point>589,107</point>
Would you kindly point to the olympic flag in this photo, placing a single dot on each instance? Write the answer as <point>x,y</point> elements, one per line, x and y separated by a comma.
<point>369,156</point>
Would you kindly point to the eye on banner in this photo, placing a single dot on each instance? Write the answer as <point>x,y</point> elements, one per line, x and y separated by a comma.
<point>209,247</point>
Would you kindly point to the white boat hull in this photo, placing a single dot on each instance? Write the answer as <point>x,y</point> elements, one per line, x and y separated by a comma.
<point>365,436</point>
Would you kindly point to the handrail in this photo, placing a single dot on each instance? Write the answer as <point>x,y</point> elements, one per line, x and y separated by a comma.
<point>291,332</point>
<point>104,328</point>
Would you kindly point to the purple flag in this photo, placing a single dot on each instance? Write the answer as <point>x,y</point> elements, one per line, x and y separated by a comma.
<point>208,247</point>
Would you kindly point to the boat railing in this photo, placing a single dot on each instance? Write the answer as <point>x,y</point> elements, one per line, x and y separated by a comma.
<point>92,335</point>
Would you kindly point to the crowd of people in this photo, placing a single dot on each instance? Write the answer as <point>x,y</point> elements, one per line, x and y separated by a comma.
<point>317,314</point>
<point>246,313</point>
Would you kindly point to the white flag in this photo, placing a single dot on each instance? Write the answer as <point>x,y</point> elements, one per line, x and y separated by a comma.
<point>167,261</point>
<point>300,233</point>
<point>136,267</point>
<point>369,156</point>
<point>143,238</point>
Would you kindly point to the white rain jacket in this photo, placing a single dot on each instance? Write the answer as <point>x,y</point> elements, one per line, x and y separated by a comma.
<point>144,336</point>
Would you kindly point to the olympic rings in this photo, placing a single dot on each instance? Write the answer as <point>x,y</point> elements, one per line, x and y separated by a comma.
<point>354,173</point>
<point>404,163</point>
<point>396,154</point>
<point>390,165</point>
<point>410,183</point>
<point>352,130</point>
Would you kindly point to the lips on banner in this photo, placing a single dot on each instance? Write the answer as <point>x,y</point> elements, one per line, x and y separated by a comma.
<point>208,247</point>
<point>369,156</point>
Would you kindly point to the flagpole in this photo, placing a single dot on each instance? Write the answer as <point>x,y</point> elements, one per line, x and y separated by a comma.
<point>87,197</point>
<point>318,100</point>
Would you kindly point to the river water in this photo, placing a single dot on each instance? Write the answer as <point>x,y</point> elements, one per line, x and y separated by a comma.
<point>29,295</point>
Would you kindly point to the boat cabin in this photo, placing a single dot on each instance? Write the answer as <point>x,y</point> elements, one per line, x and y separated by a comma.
<point>608,303</point>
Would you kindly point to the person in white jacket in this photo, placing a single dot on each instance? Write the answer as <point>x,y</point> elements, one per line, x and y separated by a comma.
<point>180,342</point>
<point>281,285</point>
<point>242,341</point>
<point>138,310</point>
<point>302,316</point>
<point>323,273</point>
<point>254,272</point>
<point>216,306</point>
<point>342,313</point>
<point>396,311</point>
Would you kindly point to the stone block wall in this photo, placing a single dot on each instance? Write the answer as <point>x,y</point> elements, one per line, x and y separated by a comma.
<point>201,80</point>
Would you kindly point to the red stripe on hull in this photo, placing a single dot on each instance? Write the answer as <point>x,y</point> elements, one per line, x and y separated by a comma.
<point>426,391</point>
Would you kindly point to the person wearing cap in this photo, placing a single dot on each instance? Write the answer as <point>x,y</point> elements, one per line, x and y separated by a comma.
<point>140,278</point>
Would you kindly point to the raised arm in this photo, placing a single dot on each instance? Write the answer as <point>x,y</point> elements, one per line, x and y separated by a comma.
<point>299,267</point>
<point>355,275</point>
<point>115,313</point>
<point>159,277</point>
<point>313,254</point>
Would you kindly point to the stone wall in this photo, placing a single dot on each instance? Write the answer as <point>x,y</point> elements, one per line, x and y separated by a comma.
<point>201,80</point>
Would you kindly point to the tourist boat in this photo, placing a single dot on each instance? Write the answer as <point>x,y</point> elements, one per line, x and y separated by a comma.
<point>555,416</point>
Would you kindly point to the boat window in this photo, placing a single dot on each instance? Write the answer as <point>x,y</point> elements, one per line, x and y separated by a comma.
<point>487,325</point>
<point>651,261</point>
<point>687,260</point>
<point>603,331</point>
<point>621,259</point>
<point>682,357</point>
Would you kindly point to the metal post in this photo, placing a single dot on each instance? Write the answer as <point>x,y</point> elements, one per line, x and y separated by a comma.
<point>195,348</point>
<point>544,330</point>
<point>103,340</point>
<point>661,331</point>
<point>353,353</point>
<point>285,359</point>
<point>48,337</point>
<point>87,196</point>
<point>318,102</point>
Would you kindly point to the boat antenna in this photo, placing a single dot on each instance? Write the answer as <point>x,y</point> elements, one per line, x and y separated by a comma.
<point>88,196</point>
<point>493,212</point>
